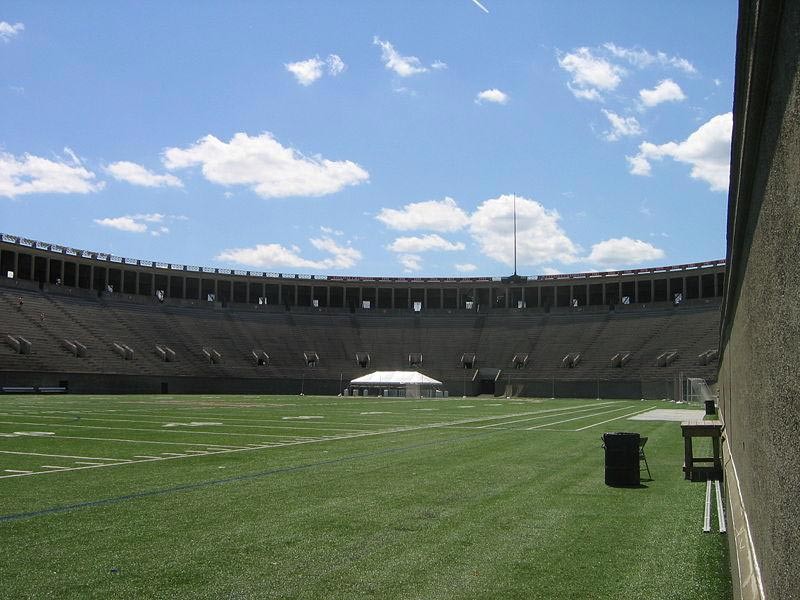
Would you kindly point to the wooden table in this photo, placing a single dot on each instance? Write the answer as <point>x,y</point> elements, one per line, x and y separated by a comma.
<point>709,467</point>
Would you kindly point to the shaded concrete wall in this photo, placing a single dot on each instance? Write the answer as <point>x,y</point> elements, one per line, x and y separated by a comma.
<point>96,383</point>
<point>760,341</point>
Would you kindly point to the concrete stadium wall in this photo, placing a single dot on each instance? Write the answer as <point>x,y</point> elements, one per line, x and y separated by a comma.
<point>760,338</point>
<point>96,383</point>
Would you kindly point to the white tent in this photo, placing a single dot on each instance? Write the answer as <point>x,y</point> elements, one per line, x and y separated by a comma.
<point>410,383</point>
<point>395,378</point>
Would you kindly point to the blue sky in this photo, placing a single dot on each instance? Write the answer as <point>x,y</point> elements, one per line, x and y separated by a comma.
<point>370,138</point>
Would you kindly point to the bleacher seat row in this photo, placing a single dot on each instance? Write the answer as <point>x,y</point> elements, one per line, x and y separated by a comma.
<point>64,334</point>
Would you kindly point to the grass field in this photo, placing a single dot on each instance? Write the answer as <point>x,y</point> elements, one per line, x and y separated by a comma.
<point>307,497</point>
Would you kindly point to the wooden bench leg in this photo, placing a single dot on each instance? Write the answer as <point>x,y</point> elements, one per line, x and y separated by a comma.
<point>688,458</point>
<point>717,458</point>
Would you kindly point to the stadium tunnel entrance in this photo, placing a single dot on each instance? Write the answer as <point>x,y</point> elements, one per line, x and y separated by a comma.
<point>486,380</point>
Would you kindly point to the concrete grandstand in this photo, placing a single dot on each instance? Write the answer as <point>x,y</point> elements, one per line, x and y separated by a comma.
<point>92,322</point>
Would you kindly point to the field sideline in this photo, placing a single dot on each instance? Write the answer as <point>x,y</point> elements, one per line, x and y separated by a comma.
<point>317,497</point>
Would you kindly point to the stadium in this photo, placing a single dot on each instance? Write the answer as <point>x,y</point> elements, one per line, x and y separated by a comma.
<point>179,431</point>
<point>590,335</point>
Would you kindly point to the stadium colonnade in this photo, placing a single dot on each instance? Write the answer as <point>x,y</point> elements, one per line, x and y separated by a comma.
<point>48,264</point>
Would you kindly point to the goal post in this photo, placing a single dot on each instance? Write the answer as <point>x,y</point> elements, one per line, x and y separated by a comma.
<point>697,391</point>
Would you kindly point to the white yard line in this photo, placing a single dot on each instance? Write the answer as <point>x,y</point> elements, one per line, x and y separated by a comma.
<point>73,437</point>
<point>256,448</point>
<point>614,419</point>
<point>287,409</point>
<point>541,414</point>
<point>58,455</point>
<point>70,417</point>
<point>167,430</point>
<point>17,471</point>
<point>576,418</point>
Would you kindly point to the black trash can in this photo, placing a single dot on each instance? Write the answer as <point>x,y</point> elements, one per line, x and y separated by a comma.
<point>622,458</point>
<point>710,408</point>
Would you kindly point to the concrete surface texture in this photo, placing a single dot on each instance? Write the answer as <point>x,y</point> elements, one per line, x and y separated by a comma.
<point>760,388</point>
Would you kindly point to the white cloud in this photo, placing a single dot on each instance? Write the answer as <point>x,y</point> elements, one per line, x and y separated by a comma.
<point>122,224</point>
<point>492,95</point>
<point>138,175</point>
<point>139,223</point>
<point>342,257</point>
<point>551,271</point>
<point>331,231</point>
<point>308,71</point>
<point>425,243</point>
<point>9,31</point>
<point>404,66</point>
<point>641,58</point>
<point>335,64</point>
<point>277,256</point>
<point>29,174</point>
<point>410,262</point>
<point>639,165</point>
<point>150,217</point>
<point>465,267</point>
<point>707,150</point>
<point>590,74</point>
<point>268,168</point>
<point>621,126</point>
<point>666,91</point>
<point>438,65</point>
<point>623,251</point>
<point>540,238</point>
<point>590,94</point>
<point>434,215</point>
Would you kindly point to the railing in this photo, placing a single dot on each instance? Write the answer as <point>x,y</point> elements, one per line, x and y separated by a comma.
<point>104,257</point>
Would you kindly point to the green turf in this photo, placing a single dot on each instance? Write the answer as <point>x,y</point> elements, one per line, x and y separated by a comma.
<point>423,501</point>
